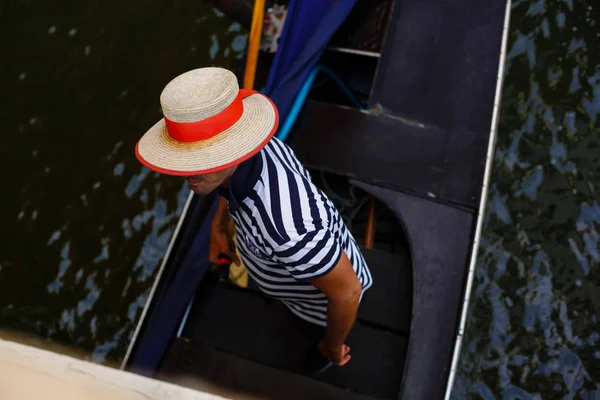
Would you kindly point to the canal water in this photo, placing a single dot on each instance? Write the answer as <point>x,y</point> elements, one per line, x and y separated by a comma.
<point>533,330</point>
<point>84,226</point>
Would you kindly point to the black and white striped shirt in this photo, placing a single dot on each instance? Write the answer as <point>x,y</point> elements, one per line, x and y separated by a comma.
<point>288,231</point>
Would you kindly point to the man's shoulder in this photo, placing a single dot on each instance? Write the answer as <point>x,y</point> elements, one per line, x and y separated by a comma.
<point>281,153</point>
<point>280,158</point>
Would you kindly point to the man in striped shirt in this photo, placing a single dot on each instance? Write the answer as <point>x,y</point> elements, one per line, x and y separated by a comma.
<point>292,241</point>
<point>291,238</point>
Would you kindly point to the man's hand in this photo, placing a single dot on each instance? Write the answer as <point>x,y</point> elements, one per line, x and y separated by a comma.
<point>339,356</point>
<point>343,290</point>
<point>220,240</point>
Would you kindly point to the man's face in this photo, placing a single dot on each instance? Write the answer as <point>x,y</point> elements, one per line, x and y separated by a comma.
<point>204,184</point>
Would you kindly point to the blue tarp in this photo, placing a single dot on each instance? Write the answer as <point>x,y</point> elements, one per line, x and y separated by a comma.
<point>308,28</point>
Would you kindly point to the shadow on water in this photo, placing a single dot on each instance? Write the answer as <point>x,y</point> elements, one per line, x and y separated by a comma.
<point>84,225</point>
<point>533,329</point>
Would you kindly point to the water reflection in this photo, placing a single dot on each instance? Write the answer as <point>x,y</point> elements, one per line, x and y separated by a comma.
<point>533,327</point>
<point>85,226</point>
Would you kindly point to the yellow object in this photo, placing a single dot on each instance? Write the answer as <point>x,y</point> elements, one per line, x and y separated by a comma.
<point>237,273</point>
<point>258,15</point>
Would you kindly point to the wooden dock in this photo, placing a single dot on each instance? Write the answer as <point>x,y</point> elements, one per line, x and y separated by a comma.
<point>31,373</point>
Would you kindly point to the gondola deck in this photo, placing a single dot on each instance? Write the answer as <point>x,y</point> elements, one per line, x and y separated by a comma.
<point>245,323</point>
<point>420,149</point>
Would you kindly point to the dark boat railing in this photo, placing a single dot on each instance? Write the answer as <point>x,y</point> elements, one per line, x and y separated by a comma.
<point>482,206</point>
<point>159,275</point>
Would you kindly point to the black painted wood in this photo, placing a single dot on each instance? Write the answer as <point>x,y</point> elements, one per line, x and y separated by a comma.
<point>392,152</point>
<point>193,365</point>
<point>387,304</point>
<point>440,240</point>
<point>199,211</point>
<point>439,63</point>
<point>251,326</point>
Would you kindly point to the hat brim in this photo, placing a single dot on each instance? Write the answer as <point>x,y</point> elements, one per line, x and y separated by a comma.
<point>159,152</point>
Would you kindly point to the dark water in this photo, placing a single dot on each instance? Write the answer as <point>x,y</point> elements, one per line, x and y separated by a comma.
<point>83,225</point>
<point>533,329</point>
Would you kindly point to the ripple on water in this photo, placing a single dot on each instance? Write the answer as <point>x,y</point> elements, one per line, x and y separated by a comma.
<point>88,224</point>
<point>532,329</point>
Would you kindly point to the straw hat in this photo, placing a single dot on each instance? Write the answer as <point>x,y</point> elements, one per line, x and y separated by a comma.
<point>209,124</point>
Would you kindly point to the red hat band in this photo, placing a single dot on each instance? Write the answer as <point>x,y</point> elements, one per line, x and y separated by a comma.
<point>209,127</point>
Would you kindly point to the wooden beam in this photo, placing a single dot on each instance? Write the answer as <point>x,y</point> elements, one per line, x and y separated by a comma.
<point>31,373</point>
<point>251,380</point>
<point>392,152</point>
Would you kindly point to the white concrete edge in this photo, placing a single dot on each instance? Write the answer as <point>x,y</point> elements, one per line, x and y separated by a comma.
<point>29,372</point>
<point>482,203</point>
<point>156,281</point>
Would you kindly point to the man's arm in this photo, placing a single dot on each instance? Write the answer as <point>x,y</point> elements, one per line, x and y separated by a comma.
<point>220,241</point>
<point>343,290</point>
